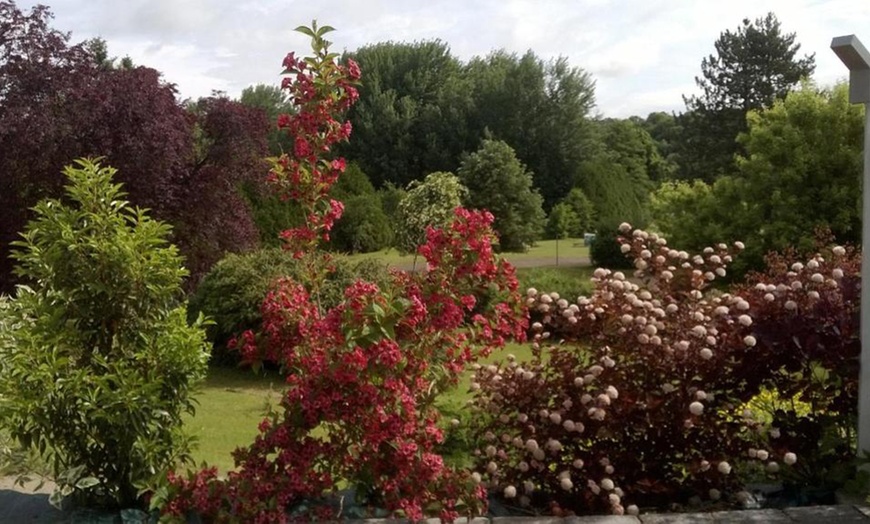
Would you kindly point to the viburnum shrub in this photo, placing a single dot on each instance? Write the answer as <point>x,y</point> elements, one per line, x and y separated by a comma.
<point>806,321</point>
<point>636,394</point>
<point>362,376</point>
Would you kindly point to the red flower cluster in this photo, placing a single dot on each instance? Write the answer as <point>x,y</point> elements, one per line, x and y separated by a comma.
<point>322,91</point>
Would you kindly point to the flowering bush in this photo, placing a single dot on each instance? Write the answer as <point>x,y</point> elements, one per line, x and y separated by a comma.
<point>233,292</point>
<point>640,402</point>
<point>806,320</point>
<point>362,377</point>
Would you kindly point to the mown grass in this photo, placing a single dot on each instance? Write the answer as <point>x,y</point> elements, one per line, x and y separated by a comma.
<point>231,405</point>
<point>233,402</point>
<point>568,281</point>
<point>550,250</point>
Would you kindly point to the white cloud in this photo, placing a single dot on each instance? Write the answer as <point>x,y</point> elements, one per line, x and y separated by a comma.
<point>644,54</point>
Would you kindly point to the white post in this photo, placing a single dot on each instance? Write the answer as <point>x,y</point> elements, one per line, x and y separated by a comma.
<point>855,56</point>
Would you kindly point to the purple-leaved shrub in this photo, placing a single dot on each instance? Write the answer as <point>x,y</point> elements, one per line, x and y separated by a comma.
<point>636,395</point>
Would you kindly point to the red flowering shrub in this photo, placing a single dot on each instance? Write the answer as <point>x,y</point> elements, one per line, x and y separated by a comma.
<point>362,377</point>
<point>641,401</point>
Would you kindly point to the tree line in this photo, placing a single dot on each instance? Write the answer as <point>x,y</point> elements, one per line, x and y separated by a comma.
<point>756,155</point>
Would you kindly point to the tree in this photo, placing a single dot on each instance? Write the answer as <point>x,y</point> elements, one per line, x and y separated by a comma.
<point>36,67</point>
<point>583,210</point>
<point>57,103</point>
<point>98,361</point>
<point>616,176</point>
<point>540,109</point>
<point>629,144</point>
<point>801,172</point>
<point>562,222</point>
<point>616,196</point>
<point>99,51</point>
<point>215,218</point>
<point>666,134</point>
<point>498,182</point>
<point>273,101</point>
<point>686,213</point>
<point>420,110</point>
<point>363,226</point>
<point>752,68</point>
<point>425,204</point>
<point>411,118</point>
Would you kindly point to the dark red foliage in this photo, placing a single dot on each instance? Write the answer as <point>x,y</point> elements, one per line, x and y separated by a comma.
<point>214,218</point>
<point>657,385</point>
<point>57,105</point>
<point>37,67</point>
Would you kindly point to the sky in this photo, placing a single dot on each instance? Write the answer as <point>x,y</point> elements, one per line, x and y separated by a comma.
<point>644,55</point>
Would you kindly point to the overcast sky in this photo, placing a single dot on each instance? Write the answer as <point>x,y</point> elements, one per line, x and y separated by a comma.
<point>643,54</point>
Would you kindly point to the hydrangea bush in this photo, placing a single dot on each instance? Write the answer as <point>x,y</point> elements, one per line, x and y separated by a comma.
<point>363,376</point>
<point>636,395</point>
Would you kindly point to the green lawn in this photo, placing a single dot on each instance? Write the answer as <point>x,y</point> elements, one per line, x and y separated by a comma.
<point>231,405</point>
<point>544,249</point>
<point>234,401</point>
<point>569,281</point>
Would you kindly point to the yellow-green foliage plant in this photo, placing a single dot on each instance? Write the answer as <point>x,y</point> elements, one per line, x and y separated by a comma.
<point>97,358</point>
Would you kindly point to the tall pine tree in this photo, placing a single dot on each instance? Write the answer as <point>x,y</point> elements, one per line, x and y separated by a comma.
<point>752,67</point>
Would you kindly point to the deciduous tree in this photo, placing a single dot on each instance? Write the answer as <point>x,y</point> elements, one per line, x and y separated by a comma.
<point>497,181</point>
<point>425,204</point>
<point>801,172</point>
<point>59,102</point>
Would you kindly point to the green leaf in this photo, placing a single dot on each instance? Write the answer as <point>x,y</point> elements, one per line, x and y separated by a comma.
<point>87,482</point>
<point>325,29</point>
<point>305,30</point>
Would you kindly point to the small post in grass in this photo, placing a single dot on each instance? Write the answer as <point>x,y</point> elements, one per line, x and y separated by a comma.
<point>856,57</point>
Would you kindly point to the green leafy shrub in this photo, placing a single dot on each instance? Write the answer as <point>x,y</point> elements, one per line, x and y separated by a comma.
<point>605,250</point>
<point>364,227</point>
<point>583,208</point>
<point>424,204</point>
<point>98,359</point>
<point>232,293</point>
<point>271,213</point>
<point>562,222</point>
<point>498,182</point>
<point>567,281</point>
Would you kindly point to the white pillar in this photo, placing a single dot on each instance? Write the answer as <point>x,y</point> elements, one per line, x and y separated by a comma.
<point>856,57</point>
